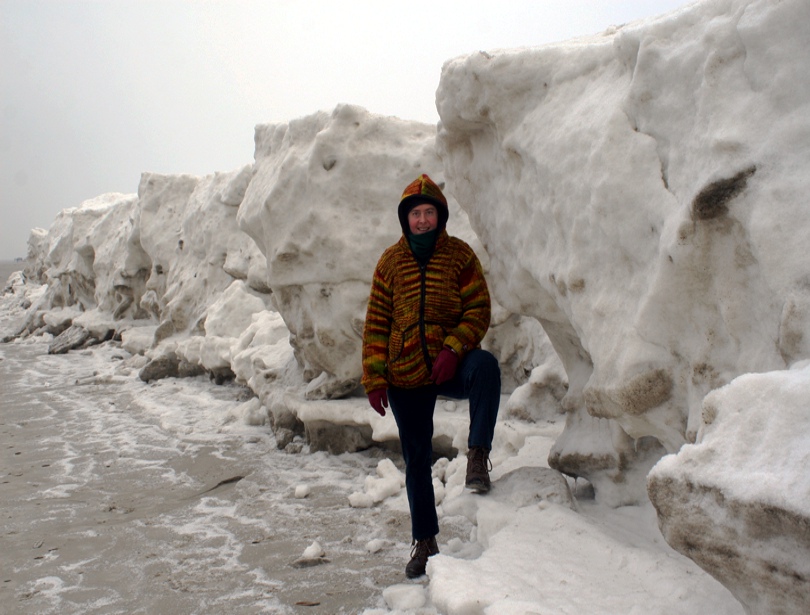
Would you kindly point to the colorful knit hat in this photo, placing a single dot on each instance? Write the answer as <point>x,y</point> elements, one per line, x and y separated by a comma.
<point>420,191</point>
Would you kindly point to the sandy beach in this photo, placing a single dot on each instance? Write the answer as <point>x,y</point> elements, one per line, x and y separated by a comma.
<point>111,506</point>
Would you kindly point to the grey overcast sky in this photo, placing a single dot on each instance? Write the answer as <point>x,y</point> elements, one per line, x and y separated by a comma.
<point>95,92</point>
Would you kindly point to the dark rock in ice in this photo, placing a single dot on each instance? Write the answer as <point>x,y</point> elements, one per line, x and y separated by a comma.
<point>73,337</point>
<point>337,439</point>
<point>222,375</point>
<point>186,369</point>
<point>166,366</point>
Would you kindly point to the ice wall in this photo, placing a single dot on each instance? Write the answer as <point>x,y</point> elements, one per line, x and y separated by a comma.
<point>84,258</point>
<point>194,272</point>
<point>187,226</point>
<point>160,258</point>
<point>640,194</point>
<point>321,206</point>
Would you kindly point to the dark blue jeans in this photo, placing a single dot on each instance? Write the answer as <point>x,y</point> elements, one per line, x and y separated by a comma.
<point>478,378</point>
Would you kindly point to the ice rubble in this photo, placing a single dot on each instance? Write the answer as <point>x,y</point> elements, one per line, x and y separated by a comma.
<point>737,502</point>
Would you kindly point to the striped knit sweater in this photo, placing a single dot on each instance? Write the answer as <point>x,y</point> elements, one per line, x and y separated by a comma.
<point>414,312</point>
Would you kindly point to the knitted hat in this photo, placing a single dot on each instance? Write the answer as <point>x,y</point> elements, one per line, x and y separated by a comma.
<point>420,191</point>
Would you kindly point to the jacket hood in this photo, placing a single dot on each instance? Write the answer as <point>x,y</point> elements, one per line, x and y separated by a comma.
<point>419,191</point>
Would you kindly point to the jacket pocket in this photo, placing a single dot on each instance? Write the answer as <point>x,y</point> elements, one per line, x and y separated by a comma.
<point>404,343</point>
<point>396,343</point>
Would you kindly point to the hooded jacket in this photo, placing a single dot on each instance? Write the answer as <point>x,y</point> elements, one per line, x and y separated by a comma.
<point>415,310</point>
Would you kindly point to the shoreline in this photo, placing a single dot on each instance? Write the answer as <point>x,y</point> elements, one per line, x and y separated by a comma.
<point>105,496</point>
<point>7,267</point>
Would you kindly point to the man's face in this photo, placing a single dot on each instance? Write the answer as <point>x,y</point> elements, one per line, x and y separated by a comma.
<point>423,219</point>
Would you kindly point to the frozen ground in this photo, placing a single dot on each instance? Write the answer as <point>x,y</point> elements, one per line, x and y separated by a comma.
<point>107,504</point>
<point>110,504</point>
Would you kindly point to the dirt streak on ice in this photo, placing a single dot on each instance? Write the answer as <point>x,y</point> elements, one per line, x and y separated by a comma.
<point>111,504</point>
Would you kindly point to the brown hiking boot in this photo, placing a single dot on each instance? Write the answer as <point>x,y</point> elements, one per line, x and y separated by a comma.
<point>478,467</point>
<point>421,551</point>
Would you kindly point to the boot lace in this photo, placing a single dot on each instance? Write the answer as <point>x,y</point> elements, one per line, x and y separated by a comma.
<point>421,550</point>
<point>480,462</point>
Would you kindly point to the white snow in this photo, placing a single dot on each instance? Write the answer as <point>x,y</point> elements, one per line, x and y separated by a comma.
<point>313,551</point>
<point>388,482</point>
<point>404,598</point>
<point>573,171</point>
<point>755,440</point>
<point>374,546</point>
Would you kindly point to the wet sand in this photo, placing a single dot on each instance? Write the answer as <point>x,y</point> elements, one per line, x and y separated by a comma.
<point>105,510</point>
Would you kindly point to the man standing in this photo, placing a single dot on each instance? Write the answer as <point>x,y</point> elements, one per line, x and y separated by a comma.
<point>428,311</point>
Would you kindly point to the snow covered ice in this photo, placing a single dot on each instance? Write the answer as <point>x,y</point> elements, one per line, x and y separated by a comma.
<point>587,170</point>
<point>638,201</point>
<point>753,497</point>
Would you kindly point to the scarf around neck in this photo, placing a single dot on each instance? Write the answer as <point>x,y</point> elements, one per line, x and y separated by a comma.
<point>422,245</point>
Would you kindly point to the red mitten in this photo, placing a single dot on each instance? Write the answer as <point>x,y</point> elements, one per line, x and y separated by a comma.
<point>379,401</point>
<point>444,367</point>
